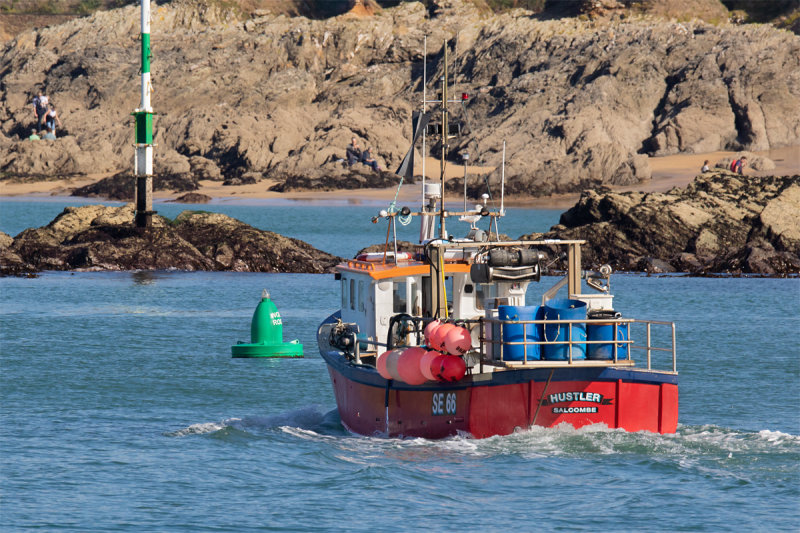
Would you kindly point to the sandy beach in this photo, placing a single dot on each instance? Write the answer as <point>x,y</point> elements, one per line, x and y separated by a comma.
<point>668,172</point>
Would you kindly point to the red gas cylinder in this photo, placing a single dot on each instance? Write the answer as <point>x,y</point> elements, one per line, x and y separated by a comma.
<point>453,368</point>
<point>408,366</point>
<point>439,335</point>
<point>425,364</point>
<point>458,341</point>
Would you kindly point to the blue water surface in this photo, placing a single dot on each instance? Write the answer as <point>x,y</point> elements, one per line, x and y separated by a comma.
<point>122,410</point>
<point>339,229</point>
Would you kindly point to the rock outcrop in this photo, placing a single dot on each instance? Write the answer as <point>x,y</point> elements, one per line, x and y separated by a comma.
<point>122,186</point>
<point>96,237</point>
<point>336,178</point>
<point>721,223</point>
<point>578,102</point>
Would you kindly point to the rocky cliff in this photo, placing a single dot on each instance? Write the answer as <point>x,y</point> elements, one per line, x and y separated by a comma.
<point>96,237</point>
<point>577,101</point>
<point>721,223</point>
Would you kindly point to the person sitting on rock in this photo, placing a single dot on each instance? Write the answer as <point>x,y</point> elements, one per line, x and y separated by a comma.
<point>34,136</point>
<point>355,155</point>
<point>737,165</point>
<point>705,166</point>
<point>49,135</point>
<point>366,158</point>
<point>353,152</point>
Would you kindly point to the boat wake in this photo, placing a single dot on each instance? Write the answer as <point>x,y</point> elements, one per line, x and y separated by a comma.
<point>708,448</point>
<point>310,419</point>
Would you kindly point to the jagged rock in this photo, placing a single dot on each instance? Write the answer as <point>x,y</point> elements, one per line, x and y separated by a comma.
<point>402,246</point>
<point>122,186</point>
<point>104,238</point>
<point>234,245</point>
<point>240,180</point>
<point>204,169</point>
<point>335,177</point>
<point>578,102</point>
<point>754,161</point>
<point>193,198</point>
<point>721,223</point>
<point>62,157</point>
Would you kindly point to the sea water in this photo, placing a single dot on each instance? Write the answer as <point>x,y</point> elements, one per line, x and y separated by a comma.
<point>122,409</point>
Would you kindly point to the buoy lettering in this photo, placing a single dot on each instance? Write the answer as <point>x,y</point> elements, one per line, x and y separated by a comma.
<point>444,403</point>
<point>276,318</point>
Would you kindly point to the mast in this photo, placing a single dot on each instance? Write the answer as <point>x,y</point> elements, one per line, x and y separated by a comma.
<point>442,232</point>
<point>143,132</point>
<point>439,306</point>
<point>424,106</point>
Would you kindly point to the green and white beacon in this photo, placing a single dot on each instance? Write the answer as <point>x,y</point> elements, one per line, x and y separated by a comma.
<point>266,334</point>
<point>143,161</point>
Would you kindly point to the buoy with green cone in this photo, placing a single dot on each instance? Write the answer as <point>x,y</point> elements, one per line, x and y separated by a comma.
<point>266,334</point>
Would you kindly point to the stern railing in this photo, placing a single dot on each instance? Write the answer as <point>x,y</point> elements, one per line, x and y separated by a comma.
<point>499,346</point>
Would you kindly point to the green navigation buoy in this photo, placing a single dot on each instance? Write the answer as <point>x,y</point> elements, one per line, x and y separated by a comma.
<point>266,334</point>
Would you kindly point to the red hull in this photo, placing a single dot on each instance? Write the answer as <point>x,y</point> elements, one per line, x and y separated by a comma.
<point>636,401</point>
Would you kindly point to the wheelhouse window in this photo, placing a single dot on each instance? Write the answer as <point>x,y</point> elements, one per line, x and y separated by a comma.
<point>353,294</point>
<point>480,295</point>
<point>344,293</point>
<point>399,297</point>
<point>362,295</point>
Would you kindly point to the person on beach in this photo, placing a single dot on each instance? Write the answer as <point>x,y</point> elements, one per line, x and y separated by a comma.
<point>737,165</point>
<point>51,119</point>
<point>34,136</point>
<point>705,166</point>
<point>49,135</point>
<point>39,109</point>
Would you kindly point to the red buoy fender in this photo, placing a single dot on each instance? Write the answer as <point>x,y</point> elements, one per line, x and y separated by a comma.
<point>425,364</point>
<point>381,364</point>
<point>408,366</point>
<point>458,341</point>
<point>453,368</point>
<point>439,335</point>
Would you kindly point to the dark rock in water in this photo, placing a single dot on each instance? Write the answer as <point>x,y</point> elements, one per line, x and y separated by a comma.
<point>334,177</point>
<point>193,198</point>
<point>721,223</point>
<point>11,264</point>
<point>122,186</point>
<point>104,238</point>
<point>234,245</point>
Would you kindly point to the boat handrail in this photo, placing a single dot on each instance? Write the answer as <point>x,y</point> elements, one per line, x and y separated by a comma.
<point>616,342</point>
<point>475,244</point>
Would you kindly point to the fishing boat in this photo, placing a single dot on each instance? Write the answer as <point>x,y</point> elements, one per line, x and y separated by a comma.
<point>446,338</point>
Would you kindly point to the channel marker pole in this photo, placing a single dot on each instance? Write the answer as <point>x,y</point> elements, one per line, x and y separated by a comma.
<point>143,164</point>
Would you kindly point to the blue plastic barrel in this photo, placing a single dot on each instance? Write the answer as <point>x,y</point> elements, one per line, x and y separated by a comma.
<point>516,332</point>
<point>565,310</point>
<point>605,332</point>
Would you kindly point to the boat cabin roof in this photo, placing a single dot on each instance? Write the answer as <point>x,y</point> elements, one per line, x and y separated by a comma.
<point>387,270</point>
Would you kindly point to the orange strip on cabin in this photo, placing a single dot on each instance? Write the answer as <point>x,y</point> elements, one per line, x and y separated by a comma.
<point>390,270</point>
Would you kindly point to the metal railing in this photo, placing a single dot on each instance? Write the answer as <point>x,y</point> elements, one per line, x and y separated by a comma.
<point>572,342</point>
